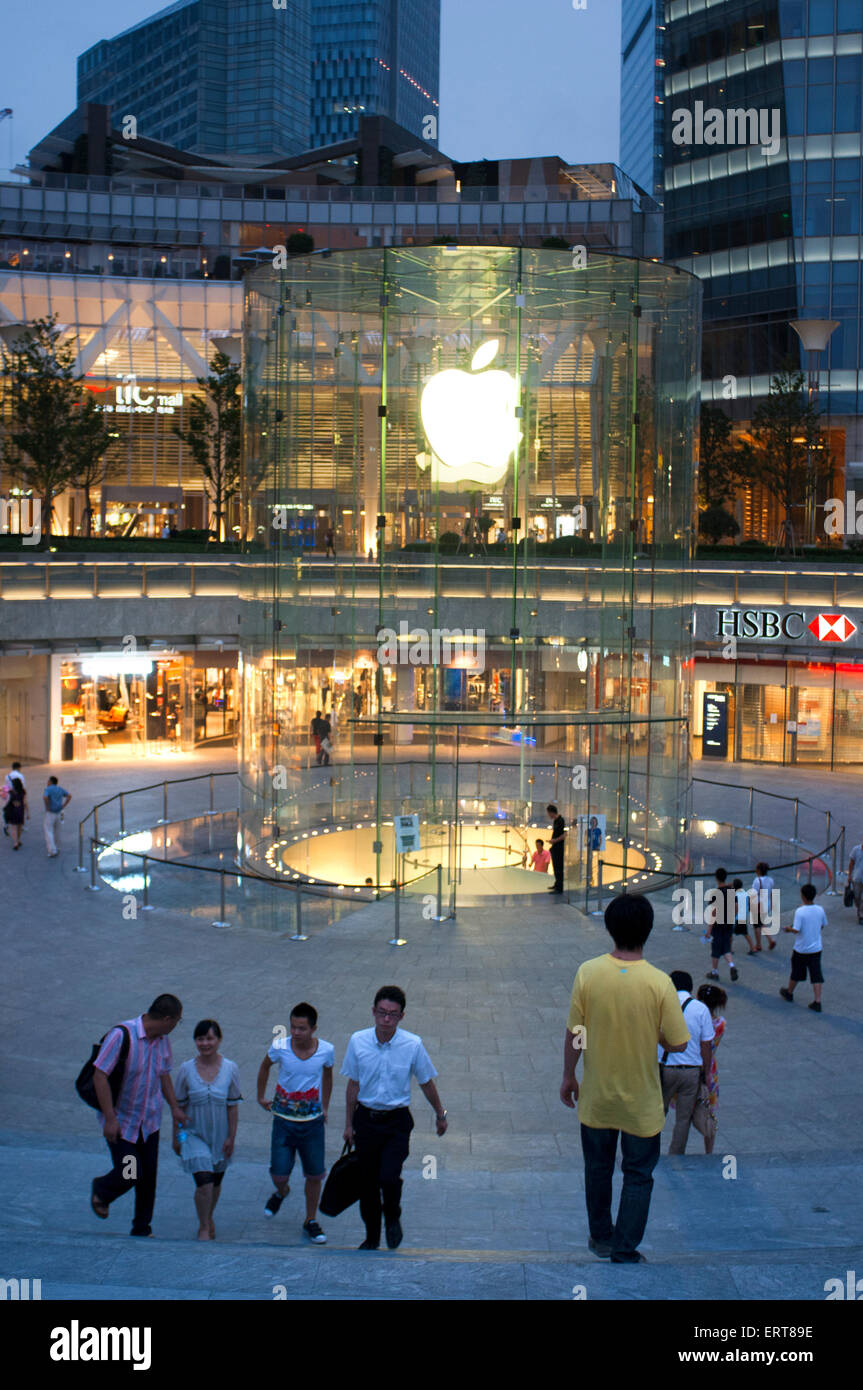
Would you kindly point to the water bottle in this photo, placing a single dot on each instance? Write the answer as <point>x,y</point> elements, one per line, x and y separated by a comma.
<point>182,1136</point>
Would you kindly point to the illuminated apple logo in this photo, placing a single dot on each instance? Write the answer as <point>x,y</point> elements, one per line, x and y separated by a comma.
<point>470,422</point>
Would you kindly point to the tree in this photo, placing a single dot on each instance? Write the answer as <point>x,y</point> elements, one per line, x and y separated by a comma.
<point>716,522</point>
<point>89,442</point>
<point>791,455</point>
<point>725,464</point>
<point>42,390</point>
<point>214,434</point>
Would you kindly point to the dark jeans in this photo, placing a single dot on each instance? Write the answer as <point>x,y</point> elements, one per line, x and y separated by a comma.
<point>640,1157</point>
<point>113,1185</point>
<point>557,865</point>
<point>382,1147</point>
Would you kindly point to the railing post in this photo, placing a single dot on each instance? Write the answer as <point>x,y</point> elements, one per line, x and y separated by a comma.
<point>809,861</point>
<point>81,867</point>
<point>751,822</point>
<point>298,924</point>
<point>93,886</point>
<point>439,917</point>
<point>221,922</point>
<point>397,940</point>
<point>794,838</point>
<point>96,821</point>
<point>122,815</point>
<point>147,907</point>
<point>212,795</point>
<point>164,819</point>
<point>833,889</point>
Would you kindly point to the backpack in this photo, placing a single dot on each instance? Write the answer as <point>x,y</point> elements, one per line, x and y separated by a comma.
<point>85,1083</point>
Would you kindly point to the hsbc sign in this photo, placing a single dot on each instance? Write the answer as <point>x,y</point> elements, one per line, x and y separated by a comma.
<point>774,625</point>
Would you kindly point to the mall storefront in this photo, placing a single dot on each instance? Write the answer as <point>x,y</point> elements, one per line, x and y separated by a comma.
<point>142,704</point>
<point>779,685</point>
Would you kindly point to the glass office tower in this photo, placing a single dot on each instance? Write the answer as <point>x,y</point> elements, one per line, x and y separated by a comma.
<point>375,58</point>
<point>642,93</point>
<point>772,228</point>
<point>221,79</point>
<point>427,433</point>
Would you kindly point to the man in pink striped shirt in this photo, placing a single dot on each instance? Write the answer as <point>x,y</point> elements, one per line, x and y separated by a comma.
<point>131,1124</point>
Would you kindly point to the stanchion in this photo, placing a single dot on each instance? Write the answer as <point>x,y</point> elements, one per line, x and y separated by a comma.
<point>164,817</point>
<point>212,797</point>
<point>298,924</point>
<point>221,922</point>
<point>147,905</point>
<point>80,867</point>
<point>397,940</point>
<point>832,891</point>
<point>796,818</point>
<point>439,917</point>
<point>93,886</point>
<point>751,825</point>
<point>599,909</point>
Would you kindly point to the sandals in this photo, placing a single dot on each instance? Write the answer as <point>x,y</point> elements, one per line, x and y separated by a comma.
<point>99,1208</point>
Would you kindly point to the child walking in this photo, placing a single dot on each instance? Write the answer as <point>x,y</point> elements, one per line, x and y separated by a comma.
<point>806,956</point>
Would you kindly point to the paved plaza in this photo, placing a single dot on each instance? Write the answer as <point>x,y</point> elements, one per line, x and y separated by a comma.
<point>774,1213</point>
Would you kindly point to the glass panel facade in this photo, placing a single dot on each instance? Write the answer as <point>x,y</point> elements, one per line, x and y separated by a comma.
<point>434,427</point>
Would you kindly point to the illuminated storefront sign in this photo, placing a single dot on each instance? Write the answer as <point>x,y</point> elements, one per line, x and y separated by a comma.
<point>470,422</point>
<point>131,399</point>
<point>771,625</point>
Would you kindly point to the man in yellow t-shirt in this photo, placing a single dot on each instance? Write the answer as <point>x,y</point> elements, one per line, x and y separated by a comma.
<point>621,1007</point>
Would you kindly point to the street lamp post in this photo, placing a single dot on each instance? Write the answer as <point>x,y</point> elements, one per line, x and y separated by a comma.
<point>814,334</point>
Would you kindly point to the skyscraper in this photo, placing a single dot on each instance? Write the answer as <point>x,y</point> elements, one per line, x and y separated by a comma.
<point>221,79</point>
<point>374,57</point>
<point>642,90</point>
<point>762,173</point>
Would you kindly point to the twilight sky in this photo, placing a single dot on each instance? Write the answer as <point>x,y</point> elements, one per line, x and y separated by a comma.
<point>516,78</point>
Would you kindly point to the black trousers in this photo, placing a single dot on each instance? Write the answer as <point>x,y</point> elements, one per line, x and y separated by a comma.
<point>135,1164</point>
<point>556,852</point>
<point>382,1146</point>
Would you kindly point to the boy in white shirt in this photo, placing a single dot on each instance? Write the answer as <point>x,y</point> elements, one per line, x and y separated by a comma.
<point>808,922</point>
<point>299,1110</point>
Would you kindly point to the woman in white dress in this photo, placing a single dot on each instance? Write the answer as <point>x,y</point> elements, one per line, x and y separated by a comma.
<point>210,1087</point>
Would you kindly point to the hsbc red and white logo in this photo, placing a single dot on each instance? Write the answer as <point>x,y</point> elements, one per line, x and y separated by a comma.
<point>832,627</point>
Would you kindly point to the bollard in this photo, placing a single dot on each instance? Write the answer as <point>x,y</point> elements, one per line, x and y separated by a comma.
<point>147,906</point>
<point>298,933</point>
<point>221,922</point>
<point>93,886</point>
<point>397,940</point>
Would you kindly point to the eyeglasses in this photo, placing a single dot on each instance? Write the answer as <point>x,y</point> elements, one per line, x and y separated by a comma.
<point>388,1013</point>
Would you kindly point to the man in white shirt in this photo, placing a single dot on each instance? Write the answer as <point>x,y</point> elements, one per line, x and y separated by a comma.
<point>806,956</point>
<point>681,1073</point>
<point>379,1064</point>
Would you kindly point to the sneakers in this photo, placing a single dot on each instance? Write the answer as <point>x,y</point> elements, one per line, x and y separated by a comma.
<point>786,994</point>
<point>394,1235</point>
<point>314,1232</point>
<point>815,1006</point>
<point>712,975</point>
<point>273,1204</point>
<point>734,972</point>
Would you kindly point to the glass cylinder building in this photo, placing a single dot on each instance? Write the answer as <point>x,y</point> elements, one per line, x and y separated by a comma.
<point>473,469</point>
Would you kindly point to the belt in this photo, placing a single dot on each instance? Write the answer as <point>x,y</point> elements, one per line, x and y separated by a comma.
<point>380,1114</point>
<point>682,1066</point>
